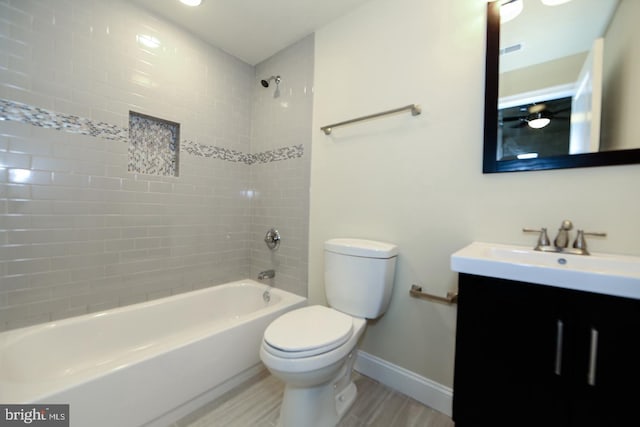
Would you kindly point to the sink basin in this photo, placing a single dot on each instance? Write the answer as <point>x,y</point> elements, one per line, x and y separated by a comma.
<point>617,275</point>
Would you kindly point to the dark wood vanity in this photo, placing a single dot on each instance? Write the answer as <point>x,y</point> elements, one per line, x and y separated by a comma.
<point>537,355</point>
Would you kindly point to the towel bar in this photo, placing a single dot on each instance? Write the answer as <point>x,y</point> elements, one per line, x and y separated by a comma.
<point>415,110</point>
<point>416,291</point>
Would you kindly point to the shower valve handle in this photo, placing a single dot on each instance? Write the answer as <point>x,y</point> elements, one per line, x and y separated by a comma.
<point>272,239</point>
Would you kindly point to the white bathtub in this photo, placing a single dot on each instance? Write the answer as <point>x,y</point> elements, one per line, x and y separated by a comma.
<point>144,364</point>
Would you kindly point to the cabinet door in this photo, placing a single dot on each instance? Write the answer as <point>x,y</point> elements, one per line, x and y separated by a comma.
<point>507,363</point>
<point>607,362</point>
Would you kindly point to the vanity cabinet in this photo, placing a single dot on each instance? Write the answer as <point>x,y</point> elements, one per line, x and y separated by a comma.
<point>536,355</point>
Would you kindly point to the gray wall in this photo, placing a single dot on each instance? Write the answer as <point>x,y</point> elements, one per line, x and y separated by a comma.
<point>621,84</point>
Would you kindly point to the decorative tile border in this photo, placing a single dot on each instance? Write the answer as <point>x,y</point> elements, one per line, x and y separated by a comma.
<point>19,112</point>
<point>214,152</point>
<point>284,153</point>
<point>24,113</point>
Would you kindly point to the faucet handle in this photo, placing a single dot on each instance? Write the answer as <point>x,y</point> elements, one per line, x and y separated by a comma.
<point>581,243</point>
<point>543,238</point>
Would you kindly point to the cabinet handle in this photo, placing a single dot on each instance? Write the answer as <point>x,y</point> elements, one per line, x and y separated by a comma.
<point>593,356</point>
<point>559,337</point>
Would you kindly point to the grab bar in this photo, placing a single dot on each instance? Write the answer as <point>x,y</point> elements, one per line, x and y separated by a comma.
<point>416,291</point>
<point>414,108</point>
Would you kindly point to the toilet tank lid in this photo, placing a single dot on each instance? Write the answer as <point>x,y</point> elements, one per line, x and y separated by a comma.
<point>361,247</point>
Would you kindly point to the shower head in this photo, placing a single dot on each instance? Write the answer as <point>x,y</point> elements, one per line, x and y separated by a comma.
<point>265,83</point>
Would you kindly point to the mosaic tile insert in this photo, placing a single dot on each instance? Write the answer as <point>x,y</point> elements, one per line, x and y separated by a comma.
<point>36,116</point>
<point>154,145</point>
<point>19,112</point>
<point>284,153</point>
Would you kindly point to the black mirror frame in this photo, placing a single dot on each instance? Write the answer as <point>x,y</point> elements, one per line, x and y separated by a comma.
<point>490,164</point>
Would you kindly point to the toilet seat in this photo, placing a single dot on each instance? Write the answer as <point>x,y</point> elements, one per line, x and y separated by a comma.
<point>307,332</point>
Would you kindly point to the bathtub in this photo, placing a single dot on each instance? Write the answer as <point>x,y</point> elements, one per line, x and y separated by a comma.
<point>144,364</point>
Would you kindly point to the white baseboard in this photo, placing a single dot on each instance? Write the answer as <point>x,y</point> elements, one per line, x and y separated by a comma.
<point>424,390</point>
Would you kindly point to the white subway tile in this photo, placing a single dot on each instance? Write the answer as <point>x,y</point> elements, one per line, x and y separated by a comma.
<point>85,276</point>
<point>89,221</point>
<point>89,194</point>
<point>158,234</point>
<point>114,197</point>
<point>40,192</point>
<point>62,103</point>
<point>27,266</point>
<point>91,260</point>
<point>15,191</point>
<point>83,248</point>
<point>14,160</point>
<point>15,16</point>
<point>101,234</point>
<point>52,221</point>
<point>12,222</point>
<point>69,208</point>
<point>70,180</point>
<point>119,245</point>
<point>29,146</point>
<point>33,8</point>
<point>26,176</point>
<point>105,183</point>
<point>47,307</point>
<point>41,207</point>
<point>15,79</point>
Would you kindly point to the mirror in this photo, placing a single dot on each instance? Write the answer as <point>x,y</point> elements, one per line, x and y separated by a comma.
<point>556,80</point>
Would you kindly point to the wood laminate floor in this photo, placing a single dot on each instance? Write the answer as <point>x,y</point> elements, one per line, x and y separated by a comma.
<point>257,402</point>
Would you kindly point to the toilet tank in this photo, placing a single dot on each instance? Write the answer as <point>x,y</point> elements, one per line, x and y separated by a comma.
<point>358,275</point>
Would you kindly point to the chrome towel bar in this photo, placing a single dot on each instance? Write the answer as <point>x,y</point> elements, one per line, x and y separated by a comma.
<point>416,291</point>
<point>414,108</point>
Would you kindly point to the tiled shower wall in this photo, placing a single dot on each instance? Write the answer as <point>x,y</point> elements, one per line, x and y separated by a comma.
<point>78,232</point>
<point>281,189</point>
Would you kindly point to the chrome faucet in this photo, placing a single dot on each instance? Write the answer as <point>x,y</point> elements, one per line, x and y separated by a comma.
<point>562,239</point>
<point>266,274</point>
<point>561,242</point>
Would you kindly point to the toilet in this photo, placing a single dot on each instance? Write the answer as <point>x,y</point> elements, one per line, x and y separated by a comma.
<point>312,349</point>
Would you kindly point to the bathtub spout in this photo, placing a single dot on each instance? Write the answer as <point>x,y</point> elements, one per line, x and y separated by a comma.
<point>266,274</point>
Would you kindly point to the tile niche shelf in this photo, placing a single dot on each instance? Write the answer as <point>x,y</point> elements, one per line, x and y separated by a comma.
<point>154,145</point>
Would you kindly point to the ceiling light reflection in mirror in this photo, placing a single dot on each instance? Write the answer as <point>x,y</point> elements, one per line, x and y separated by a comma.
<point>191,2</point>
<point>554,2</point>
<point>510,9</point>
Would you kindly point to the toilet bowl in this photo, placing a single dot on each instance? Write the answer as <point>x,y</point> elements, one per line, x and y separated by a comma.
<point>312,349</point>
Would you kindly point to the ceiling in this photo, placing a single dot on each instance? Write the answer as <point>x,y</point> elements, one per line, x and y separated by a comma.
<point>252,30</point>
<point>552,32</point>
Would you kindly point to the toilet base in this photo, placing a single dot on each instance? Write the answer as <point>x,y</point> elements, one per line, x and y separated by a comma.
<point>315,407</point>
<point>345,399</point>
<point>320,406</point>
